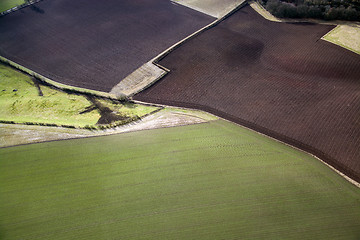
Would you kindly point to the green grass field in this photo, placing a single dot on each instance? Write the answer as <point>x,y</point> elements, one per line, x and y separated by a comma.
<point>213,180</point>
<point>54,107</point>
<point>7,4</point>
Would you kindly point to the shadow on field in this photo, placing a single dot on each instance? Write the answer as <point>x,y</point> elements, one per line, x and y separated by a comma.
<point>37,9</point>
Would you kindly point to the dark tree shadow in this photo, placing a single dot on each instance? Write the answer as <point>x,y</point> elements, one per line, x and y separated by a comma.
<point>37,9</point>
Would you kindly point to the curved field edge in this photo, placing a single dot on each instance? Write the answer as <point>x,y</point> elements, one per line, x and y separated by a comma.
<point>151,72</point>
<point>206,181</point>
<point>345,34</point>
<point>263,12</point>
<point>179,68</point>
<point>57,84</point>
<point>17,134</point>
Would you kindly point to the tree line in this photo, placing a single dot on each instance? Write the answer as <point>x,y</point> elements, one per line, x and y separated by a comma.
<point>319,9</point>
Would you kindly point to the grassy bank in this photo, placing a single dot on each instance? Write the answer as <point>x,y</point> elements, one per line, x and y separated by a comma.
<point>213,180</point>
<point>20,101</point>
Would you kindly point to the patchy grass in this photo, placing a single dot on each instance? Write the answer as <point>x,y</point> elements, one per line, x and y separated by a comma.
<point>196,113</point>
<point>213,180</point>
<point>128,109</point>
<point>7,4</point>
<point>20,102</point>
<point>346,36</point>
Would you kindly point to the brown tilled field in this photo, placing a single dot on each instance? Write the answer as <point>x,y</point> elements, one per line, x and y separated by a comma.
<point>277,78</point>
<point>94,44</point>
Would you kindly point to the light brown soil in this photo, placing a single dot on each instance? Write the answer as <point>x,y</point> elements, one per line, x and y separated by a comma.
<point>13,134</point>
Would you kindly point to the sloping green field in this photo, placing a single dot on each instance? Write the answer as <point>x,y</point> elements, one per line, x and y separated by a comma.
<point>20,102</point>
<point>7,4</point>
<point>207,181</point>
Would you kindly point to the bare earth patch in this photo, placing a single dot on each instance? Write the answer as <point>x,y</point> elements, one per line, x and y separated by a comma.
<point>213,8</point>
<point>13,134</point>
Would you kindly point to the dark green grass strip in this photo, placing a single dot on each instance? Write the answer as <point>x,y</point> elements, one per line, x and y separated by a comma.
<point>207,181</point>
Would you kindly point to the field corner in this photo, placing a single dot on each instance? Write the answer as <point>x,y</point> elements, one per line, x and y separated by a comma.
<point>346,36</point>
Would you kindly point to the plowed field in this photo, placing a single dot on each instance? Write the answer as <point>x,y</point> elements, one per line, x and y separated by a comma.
<point>277,78</point>
<point>94,44</point>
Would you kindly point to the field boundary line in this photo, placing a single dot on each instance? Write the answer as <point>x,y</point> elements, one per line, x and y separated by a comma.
<point>341,173</point>
<point>57,84</point>
<point>349,179</point>
<point>109,132</point>
<point>195,34</point>
<point>128,89</point>
<point>25,4</point>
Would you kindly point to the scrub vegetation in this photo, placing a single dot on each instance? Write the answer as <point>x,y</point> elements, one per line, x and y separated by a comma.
<point>319,9</point>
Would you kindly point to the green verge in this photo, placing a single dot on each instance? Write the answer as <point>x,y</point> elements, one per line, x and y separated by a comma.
<point>7,4</point>
<point>25,104</point>
<point>345,36</point>
<point>214,180</point>
<point>20,102</point>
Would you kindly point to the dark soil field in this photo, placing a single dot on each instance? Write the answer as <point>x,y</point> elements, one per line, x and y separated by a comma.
<point>94,44</point>
<point>280,79</point>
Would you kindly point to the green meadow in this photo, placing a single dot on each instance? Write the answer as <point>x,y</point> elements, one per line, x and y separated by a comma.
<point>7,4</point>
<point>213,180</point>
<point>20,102</point>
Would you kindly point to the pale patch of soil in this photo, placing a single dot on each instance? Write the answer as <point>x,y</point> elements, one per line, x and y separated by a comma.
<point>16,134</point>
<point>13,134</point>
<point>347,36</point>
<point>215,8</point>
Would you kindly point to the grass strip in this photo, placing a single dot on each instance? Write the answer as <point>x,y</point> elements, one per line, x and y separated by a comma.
<point>345,36</point>
<point>8,4</point>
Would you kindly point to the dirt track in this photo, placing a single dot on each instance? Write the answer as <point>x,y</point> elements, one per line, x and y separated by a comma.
<point>91,43</point>
<point>277,78</point>
<point>17,134</point>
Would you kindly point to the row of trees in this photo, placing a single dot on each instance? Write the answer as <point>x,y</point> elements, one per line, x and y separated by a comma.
<point>319,9</point>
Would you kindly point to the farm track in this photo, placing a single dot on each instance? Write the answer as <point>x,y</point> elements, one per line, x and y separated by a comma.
<point>97,47</point>
<point>280,79</point>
